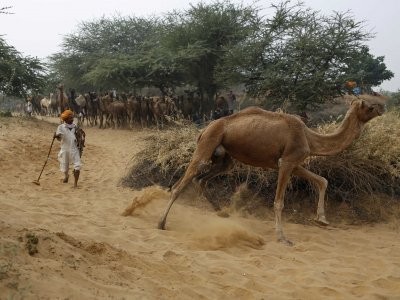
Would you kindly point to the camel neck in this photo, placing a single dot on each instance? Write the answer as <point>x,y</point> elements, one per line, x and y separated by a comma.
<point>342,138</point>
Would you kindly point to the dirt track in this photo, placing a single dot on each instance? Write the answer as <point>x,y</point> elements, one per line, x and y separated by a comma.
<point>82,248</point>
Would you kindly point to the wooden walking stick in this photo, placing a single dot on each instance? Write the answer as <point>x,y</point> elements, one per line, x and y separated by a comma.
<point>48,155</point>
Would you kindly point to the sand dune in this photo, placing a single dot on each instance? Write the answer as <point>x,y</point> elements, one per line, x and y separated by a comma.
<point>57,242</point>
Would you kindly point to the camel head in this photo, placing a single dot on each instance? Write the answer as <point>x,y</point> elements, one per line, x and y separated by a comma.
<point>368,107</point>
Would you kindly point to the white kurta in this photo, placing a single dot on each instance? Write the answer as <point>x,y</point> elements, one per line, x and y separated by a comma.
<point>69,152</point>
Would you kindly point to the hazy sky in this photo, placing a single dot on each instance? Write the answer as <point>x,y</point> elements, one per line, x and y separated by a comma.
<point>36,27</point>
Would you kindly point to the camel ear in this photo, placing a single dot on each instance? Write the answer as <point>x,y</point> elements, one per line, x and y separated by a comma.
<point>363,104</point>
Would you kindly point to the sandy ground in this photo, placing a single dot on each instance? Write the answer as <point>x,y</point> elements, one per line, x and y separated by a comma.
<point>57,242</point>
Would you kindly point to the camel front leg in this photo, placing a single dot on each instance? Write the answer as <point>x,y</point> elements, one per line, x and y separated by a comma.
<point>321,183</point>
<point>285,170</point>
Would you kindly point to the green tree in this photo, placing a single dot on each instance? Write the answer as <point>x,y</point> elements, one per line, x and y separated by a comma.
<point>203,35</point>
<point>302,56</point>
<point>4,10</point>
<point>148,63</point>
<point>394,100</point>
<point>103,54</point>
<point>368,71</point>
<point>19,75</point>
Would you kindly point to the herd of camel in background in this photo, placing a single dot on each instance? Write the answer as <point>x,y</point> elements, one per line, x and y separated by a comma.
<point>125,111</point>
<point>129,111</point>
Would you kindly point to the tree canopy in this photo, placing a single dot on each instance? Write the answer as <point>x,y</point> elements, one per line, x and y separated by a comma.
<point>305,58</point>
<point>294,54</point>
<point>19,75</point>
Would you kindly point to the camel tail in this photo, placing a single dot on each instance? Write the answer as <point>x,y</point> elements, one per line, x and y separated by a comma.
<point>209,140</point>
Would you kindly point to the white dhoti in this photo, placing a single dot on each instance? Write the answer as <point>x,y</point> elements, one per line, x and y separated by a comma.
<point>66,158</point>
<point>69,153</point>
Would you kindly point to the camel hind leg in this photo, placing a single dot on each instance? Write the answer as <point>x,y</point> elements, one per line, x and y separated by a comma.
<point>192,172</point>
<point>321,183</point>
<point>207,145</point>
<point>178,187</point>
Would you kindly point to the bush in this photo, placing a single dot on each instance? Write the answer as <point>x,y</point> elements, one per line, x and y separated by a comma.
<point>371,166</point>
<point>5,114</point>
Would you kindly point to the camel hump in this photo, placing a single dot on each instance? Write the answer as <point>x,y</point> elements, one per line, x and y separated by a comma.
<point>255,110</point>
<point>252,110</point>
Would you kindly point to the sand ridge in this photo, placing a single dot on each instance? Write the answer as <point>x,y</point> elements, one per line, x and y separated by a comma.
<point>83,248</point>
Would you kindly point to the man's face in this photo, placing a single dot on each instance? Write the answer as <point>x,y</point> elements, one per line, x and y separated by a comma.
<point>69,120</point>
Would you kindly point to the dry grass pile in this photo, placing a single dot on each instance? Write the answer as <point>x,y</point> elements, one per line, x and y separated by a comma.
<point>371,166</point>
<point>164,160</point>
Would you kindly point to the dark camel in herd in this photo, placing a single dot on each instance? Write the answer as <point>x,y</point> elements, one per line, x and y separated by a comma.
<point>273,140</point>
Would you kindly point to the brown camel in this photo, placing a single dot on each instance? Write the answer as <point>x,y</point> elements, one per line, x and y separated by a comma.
<point>62,98</point>
<point>273,140</point>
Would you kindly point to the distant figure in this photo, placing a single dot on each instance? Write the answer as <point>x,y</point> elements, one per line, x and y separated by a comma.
<point>231,102</point>
<point>349,86</point>
<point>72,94</point>
<point>29,108</point>
<point>357,91</point>
<point>221,107</point>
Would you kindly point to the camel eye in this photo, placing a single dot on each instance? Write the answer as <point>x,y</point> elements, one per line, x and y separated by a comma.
<point>370,109</point>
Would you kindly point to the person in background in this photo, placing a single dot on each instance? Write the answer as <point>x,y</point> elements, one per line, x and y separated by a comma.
<point>357,91</point>
<point>69,152</point>
<point>221,107</point>
<point>29,108</point>
<point>231,102</point>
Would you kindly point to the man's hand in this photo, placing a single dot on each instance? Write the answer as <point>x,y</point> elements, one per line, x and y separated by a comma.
<point>57,136</point>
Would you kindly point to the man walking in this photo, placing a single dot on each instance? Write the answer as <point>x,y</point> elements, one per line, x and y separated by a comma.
<point>69,152</point>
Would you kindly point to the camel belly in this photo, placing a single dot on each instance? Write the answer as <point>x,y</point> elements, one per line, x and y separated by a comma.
<point>256,152</point>
<point>256,141</point>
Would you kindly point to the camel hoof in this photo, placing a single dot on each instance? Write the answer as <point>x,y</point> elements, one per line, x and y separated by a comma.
<point>286,242</point>
<point>161,225</point>
<point>321,221</point>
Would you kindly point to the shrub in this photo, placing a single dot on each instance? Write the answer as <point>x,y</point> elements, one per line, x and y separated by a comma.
<point>370,166</point>
<point>5,114</point>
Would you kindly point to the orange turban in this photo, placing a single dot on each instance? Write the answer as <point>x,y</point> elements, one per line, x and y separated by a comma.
<point>66,114</point>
